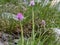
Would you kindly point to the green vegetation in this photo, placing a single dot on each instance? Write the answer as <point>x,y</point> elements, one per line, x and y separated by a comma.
<point>32,23</point>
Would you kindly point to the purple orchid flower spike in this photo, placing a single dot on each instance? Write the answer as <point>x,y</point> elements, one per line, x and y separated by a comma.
<point>32,3</point>
<point>20,16</point>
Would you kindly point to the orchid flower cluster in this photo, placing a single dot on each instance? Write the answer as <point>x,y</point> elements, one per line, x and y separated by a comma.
<point>32,3</point>
<point>20,16</point>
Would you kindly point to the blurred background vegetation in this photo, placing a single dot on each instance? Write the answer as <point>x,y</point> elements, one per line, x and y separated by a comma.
<point>49,14</point>
<point>42,12</point>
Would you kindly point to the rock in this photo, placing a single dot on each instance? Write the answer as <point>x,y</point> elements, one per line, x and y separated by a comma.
<point>57,31</point>
<point>6,43</point>
<point>1,43</point>
<point>7,15</point>
<point>7,37</point>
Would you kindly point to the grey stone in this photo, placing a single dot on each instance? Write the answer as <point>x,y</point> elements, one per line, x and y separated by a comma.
<point>7,15</point>
<point>1,43</point>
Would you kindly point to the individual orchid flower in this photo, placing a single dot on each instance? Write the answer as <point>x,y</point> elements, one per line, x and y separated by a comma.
<point>20,16</point>
<point>32,3</point>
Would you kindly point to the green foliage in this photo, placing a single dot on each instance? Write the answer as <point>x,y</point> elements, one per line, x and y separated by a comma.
<point>8,1</point>
<point>41,36</point>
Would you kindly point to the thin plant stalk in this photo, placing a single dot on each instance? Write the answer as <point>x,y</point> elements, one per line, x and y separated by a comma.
<point>22,38</point>
<point>33,27</point>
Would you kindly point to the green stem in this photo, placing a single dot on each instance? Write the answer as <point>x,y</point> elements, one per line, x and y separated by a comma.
<point>33,27</point>
<point>22,38</point>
